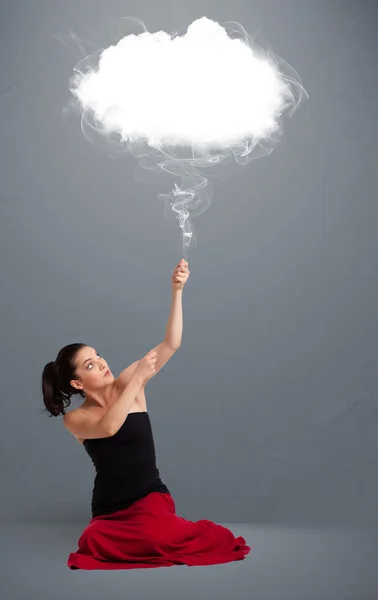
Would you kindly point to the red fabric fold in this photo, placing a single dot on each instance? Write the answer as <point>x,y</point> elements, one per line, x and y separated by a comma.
<point>149,534</point>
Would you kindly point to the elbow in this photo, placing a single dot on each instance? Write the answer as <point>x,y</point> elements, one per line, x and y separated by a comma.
<point>111,430</point>
<point>108,428</point>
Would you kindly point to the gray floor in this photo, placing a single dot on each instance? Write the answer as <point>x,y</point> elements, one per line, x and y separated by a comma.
<point>285,563</point>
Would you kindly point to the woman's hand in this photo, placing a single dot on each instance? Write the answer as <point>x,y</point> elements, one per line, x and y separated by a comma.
<point>146,366</point>
<point>180,275</point>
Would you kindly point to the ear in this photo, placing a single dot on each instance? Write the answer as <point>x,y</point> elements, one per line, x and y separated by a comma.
<point>75,384</point>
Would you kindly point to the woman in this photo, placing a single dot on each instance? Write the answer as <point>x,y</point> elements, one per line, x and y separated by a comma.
<point>134,522</point>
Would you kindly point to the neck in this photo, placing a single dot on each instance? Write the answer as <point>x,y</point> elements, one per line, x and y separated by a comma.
<point>103,398</point>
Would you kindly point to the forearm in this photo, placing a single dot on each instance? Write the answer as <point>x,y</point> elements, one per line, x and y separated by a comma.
<point>173,334</point>
<point>116,415</point>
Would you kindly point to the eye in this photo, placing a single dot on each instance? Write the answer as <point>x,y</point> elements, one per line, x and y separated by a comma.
<point>88,369</point>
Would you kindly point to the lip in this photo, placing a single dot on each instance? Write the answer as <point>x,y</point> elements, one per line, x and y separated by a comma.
<point>107,373</point>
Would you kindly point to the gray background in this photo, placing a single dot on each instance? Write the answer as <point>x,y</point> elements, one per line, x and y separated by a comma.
<point>268,412</point>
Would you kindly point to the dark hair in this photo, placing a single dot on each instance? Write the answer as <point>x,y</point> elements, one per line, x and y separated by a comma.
<point>56,377</point>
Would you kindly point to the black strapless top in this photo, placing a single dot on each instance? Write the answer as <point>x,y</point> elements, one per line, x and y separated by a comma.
<point>125,465</point>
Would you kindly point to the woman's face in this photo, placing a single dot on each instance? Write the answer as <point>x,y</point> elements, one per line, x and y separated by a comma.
<point>91,368</point>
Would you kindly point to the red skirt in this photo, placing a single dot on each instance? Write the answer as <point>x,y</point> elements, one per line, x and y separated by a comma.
<point>150,534</point>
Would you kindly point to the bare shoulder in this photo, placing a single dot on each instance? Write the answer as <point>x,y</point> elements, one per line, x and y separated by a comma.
<point>85,423</point>
<point>122,381</point>
<point>77,415</point>
<point>74,413</point>
<point>139,403</point>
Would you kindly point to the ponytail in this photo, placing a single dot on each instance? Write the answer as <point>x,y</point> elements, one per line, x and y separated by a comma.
<point>56,377</point>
